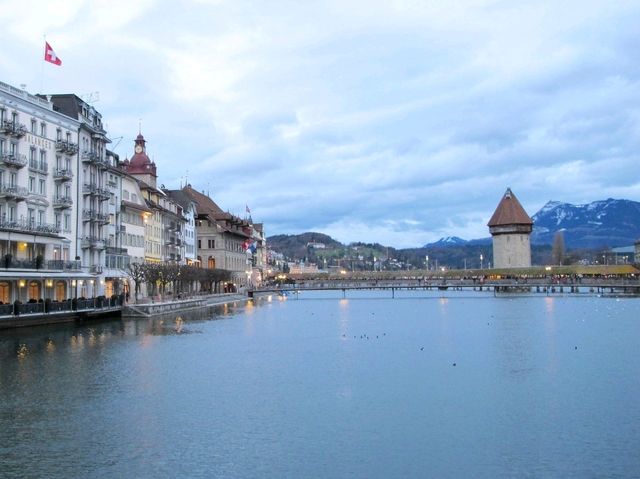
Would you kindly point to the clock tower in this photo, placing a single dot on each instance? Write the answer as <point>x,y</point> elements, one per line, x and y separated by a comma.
<point>140,166</point>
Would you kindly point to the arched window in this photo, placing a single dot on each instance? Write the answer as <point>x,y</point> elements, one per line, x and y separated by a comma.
<point>211,264</point>
<point>34,290</point>
<point>4,292</point>
<point>60,291</point>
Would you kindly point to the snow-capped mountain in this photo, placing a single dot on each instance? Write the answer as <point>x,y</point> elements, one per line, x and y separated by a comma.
<point>445,242</point>
<point>599,224</point>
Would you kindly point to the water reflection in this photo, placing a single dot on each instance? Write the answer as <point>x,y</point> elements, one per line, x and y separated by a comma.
<point>21,343</point>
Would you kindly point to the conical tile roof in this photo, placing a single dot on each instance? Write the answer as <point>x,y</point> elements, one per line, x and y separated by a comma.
<point>509,212</point>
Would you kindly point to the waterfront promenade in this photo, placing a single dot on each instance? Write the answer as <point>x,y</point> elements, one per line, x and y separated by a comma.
<point>33,314</point>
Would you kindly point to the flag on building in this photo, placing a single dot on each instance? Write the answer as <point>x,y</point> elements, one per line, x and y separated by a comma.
<point>247,208</point>
<point>50,56</point>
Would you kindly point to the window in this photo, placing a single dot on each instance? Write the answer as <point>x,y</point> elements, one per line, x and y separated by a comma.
<point>34,126</point>
<point>212,244</point>
<point>32,184</point>
<point>42,187</point>
<point>43,129</point>
<point>59,134</point>
<point>199,245</point>
<point>41,217</point>
<point>67,222</point>
<point>32,156</point>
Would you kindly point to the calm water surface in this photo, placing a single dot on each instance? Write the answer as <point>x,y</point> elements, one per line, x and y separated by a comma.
<point>466,385</point>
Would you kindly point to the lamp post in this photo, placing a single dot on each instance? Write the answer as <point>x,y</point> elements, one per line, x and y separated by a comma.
<point>427,261</point>
<point>481,258</point>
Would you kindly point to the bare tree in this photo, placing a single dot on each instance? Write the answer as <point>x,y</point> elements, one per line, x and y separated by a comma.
<point>557,250</point>
<point>137,274</point>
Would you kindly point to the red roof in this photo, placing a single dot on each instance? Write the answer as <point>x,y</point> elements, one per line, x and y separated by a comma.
<point>509,212</point>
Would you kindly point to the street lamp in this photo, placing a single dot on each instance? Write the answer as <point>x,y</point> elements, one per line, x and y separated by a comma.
<point>427,259</point>
<point>481,258</point>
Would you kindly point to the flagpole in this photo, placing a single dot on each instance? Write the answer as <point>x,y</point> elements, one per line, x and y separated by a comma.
<point>42,67</point>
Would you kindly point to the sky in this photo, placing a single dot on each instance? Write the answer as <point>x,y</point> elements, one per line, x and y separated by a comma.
<point>395,121</point>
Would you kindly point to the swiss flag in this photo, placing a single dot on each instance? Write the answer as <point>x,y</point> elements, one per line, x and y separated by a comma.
<point>50,55</point>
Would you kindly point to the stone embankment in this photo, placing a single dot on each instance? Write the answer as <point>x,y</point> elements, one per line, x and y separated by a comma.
<point>145,310</point>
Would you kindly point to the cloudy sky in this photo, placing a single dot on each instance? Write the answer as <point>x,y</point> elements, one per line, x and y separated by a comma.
<point>395,121</point>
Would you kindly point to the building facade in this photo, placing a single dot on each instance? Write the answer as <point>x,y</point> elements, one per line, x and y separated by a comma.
<point>92,192</point>
<point>38,176</point>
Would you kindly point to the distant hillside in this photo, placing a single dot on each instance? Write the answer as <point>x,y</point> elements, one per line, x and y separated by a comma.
<point>606,223</point>
<point>296,246</point>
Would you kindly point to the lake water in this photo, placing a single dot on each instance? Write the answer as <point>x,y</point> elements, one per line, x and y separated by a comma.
<point>423,385</point>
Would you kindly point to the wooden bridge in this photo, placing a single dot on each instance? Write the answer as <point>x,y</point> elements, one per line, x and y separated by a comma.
<point>620,286</point>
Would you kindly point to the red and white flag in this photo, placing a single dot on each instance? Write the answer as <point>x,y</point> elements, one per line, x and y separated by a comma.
<point>50,55</point>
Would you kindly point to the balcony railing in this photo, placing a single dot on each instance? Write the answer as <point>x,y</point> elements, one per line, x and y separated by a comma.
<point>9,262</point>
<point>13,128</point>
<point>29,226</point>
<point>90,156</point>
<point>61,174</point>
<point>62,202</point>
<point>66,147</point>
<point>116,250</point>
<point>95,269</point>
<point>92,242</point>
<point>93,189</point>
<point>14,160</point>
<point>40,166</point>
<point>16,193</point>
<point>92,215</point>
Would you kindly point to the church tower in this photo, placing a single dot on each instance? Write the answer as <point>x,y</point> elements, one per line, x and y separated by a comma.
<point>510,228</point>
<point>140,166</point>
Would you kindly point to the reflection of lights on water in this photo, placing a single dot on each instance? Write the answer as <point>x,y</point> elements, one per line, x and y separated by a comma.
<point>23,351</point>
<point>549,304</point>
<point>51,347</point>
<point>344,302</point>
<point>179,323</point>
<point>269,298</point>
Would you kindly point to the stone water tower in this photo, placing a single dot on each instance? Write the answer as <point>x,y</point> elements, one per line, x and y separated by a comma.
<point>510,228</point>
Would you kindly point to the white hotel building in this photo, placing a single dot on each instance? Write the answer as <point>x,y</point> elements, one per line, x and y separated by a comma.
<point>38,190</point>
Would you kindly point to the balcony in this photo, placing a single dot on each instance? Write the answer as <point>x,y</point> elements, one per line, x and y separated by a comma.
<point>116,250</point>
<point>93,189</point>
<point>92,242</point>
<point>13,128</point>
<point>39,166</point>
<point>13,160</point>
<point>102,193</point>
<point>31,227</point>
<point>61,174</point>
<point>62,202</point>
<point>95,269</point>
<point>90,157</point>
<point>66,147</point>
<point>13,192</point>
<point>49,264</point>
